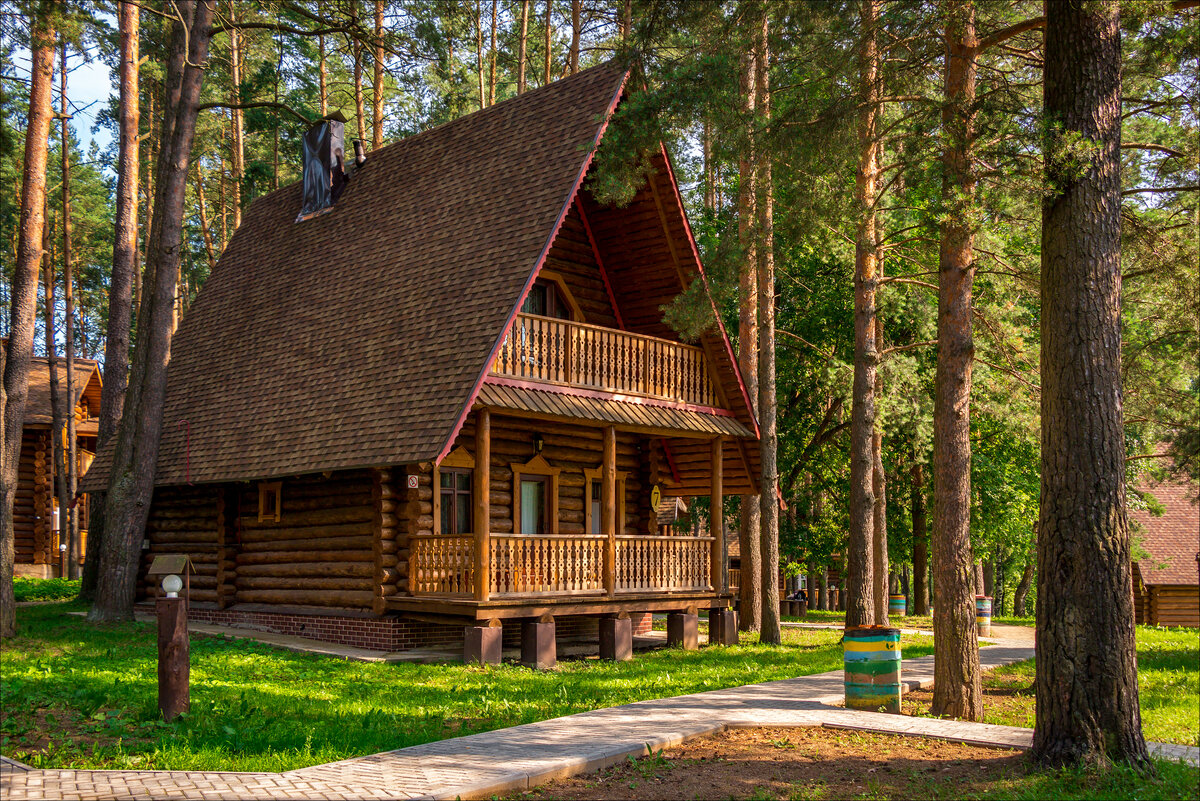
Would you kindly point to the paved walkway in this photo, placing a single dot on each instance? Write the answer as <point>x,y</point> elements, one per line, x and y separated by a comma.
<point>482,765</point>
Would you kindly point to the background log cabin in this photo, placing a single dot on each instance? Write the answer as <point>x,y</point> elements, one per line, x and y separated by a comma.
<point>1166,582</point>
<point>35,508</point>
<point>477,429</point>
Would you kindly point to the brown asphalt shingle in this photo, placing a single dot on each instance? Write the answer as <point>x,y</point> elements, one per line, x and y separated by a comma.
<point>1172,540</point>
<point>38,411</point>
<point>355,338</point>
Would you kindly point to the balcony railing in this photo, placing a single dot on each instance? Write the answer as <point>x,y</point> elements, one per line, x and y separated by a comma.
<point>545,349</point>
<point>545,565</point>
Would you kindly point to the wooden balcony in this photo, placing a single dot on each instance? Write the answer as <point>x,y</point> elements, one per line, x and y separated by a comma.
<point>529,565</point>
<point>553,351</point>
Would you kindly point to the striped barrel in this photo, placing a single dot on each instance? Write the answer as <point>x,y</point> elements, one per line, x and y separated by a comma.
<point>983,615</point>
<point>873,668</point>
<point>897,605</point>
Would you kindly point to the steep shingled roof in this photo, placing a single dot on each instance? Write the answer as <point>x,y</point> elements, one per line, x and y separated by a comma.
<point>38,411</point>
<point>1172,539</point>
<point>356,337</point>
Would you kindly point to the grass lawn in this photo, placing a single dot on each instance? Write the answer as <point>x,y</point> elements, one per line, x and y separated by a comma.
<point>1168,688</point>
<point>82,696</point>
<point>39,589</point>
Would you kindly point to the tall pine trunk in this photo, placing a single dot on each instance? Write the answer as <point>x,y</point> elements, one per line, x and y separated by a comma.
<point>120,290</point>
<point>239,146</point>
<point>920,588</point>
<point>23,300</point>
<point>522,46</point>
<point>957,689</point>
<point>68,516</point>
<point>576,32</point>
<point>749,596</point>
<point>135,455</point>
<point>1087,694</point>
<point>859,581</point>
<point>768,498</point>
<point>377,81</point>
<point>492,54</point>
<point>879,545</point>
<point>1021,593</point>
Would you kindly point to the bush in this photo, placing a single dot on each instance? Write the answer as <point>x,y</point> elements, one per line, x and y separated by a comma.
<point>53,589</point>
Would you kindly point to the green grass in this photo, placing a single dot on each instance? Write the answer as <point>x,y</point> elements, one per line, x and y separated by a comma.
<point>1171,781</point>
<point>1168,687</point>
<point>39,589</point>
<point>84,696</point>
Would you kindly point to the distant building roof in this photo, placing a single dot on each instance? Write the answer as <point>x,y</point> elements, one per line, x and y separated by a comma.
<point>1172,539</point>
<point>38,411</point>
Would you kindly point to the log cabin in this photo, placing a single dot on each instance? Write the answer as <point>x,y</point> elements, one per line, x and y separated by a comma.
<point>1166,582</point>
<point>431,401</point>
<point>35,509</point>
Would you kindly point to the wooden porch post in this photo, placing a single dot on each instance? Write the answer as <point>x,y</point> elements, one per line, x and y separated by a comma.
<point>482,484</point>
<point>608,508</point>
<point>716,521</point>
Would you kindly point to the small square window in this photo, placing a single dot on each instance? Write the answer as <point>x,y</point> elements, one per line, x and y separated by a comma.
<point>270,501</point>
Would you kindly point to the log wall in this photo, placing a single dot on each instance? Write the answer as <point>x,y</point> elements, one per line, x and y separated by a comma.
<point>571,257</point>
<point>184,520</point>
<point>1174,605</point>
<point>573,448</point>
<point>33,504</point>
<point>321,552</point>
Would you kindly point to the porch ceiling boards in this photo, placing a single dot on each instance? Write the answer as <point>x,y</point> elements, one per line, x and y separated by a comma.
<point>639,416</point>
<point>686,433</point>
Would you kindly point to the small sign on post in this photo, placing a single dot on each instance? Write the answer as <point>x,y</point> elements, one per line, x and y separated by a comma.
<point>174,670</point>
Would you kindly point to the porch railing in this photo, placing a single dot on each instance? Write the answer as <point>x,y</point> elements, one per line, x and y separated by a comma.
<point>545,349</point>
<point>542,565</point>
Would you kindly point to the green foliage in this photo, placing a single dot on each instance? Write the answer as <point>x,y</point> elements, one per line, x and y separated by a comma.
<point>52,589</point>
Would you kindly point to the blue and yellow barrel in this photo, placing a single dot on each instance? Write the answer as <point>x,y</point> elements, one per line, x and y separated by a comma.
<point>983,615</point>
<point>873,668</point>
<point>897,606</point>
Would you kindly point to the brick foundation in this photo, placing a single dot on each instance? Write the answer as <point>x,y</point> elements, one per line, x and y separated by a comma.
<point>390,633</point>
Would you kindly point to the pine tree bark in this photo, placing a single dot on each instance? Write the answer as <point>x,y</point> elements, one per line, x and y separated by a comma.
<point>239,146</point>
<point>920,588</point>
<point>125,265</point>
<point>859,579</point>
<point>58,417</point>
<point>1087,694</point>
<point>576,33</point>
<point>135,455</point>
<point>978,574</point>
<point>322,80</point>
<point>479,51</point>
<point>522,45</point>
<point>749,595</point>
<point>377,80</point>
<point>1021,593</point>
<point>770,632</point>
<point>879,562</point>
<point>957,689</point>
<point>492,54</point>
<point>205,231</point>
<point>549,40</point>
<point>357,54</point>
<point>14,362</point>
<point>68,517</point>
<point>989,578</point>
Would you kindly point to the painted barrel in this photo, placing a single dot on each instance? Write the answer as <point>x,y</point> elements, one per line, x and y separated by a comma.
<point>872,668</point>
<point>983,615</point>
<point>897,605</point>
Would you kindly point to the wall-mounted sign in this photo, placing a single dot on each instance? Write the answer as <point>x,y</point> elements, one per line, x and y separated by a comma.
<point>412,482</point>
<point>655,496</point>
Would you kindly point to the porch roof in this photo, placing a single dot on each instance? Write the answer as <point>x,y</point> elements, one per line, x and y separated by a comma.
<point>660,418</point>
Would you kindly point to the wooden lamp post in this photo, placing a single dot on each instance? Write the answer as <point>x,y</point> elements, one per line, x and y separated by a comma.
<point>174,671</point>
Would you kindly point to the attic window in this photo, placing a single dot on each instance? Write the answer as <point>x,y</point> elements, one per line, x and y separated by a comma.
<point>270,501</point>
<point>546,299</point>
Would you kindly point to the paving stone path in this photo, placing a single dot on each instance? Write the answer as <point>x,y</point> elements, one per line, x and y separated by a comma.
<point>482,765</point>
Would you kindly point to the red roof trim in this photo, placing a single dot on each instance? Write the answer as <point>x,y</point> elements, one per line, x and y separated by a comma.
<point>600,263</point>
<point>687,227</point>
<point>537,268</point>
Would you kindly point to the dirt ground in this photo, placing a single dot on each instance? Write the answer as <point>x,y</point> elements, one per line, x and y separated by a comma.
<point>808,763</point>
<point>1008,701</point>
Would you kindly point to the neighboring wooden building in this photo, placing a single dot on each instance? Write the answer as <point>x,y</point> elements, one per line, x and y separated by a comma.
<point>448,399</point>
<point>35,518</point>
<point>1166,584</point>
